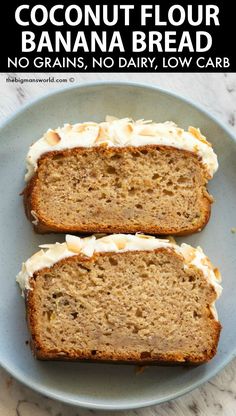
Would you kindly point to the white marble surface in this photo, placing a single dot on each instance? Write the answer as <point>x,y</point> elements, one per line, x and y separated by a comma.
<point>217,93</point>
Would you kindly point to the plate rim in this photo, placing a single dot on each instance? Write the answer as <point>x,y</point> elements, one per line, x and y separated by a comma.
<point>148,86</point>
<point>19,376</point>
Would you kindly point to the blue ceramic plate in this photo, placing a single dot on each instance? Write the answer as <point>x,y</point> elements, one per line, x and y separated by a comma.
<point>97,385</point>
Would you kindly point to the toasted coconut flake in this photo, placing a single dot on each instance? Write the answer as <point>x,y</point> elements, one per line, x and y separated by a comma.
<point>217,274</point>
<point>171,239</point>
<point>79,128</point>
<point>83,127</point>
<point>147,131</point>
<point>102,135</point>
<point>120,244</point>
<point>36,256</point>
<point>142,121</point>
<point>145,237</point>
<point>197,133</point>
<point>67,127</point>
<point>52,137</point>
<point>128,129</point>
<point>74,248</point>
<point>189,254</point>
<point>206,262</point>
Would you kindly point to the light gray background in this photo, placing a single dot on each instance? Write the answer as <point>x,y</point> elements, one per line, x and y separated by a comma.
<point>217,94</point>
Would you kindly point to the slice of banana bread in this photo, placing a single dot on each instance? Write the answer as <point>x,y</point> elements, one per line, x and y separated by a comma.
<point>121,298</point>
<point>120,176</point>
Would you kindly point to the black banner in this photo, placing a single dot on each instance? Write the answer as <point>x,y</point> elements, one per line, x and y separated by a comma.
<point>164,36</point>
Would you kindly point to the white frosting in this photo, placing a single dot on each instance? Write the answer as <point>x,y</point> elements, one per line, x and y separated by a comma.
<point>196,257</point>
<point>52,253</point>
<point>121,133</point>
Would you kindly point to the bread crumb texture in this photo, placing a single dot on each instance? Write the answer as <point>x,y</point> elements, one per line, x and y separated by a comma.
<point>142,307</point>
<point>148,189</point>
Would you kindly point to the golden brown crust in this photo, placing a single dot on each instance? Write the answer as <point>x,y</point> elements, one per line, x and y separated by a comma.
<point>45,225</point>
<point>158,359</point>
